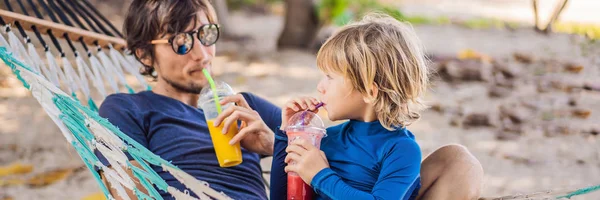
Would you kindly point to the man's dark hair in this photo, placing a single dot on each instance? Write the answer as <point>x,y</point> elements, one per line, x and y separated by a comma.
<point>151,19</point>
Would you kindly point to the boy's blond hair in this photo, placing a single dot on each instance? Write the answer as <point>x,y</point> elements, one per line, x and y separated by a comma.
<point>380,53</point>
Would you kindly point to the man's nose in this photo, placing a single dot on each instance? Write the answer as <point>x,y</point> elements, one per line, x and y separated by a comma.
<point>201,53</point>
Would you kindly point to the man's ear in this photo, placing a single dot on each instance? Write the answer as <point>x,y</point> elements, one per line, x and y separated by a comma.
<point>144,58</point>
<point>374,92</point>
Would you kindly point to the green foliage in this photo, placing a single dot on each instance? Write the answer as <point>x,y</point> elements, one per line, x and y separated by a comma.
<point>237,4</point>
<point>591,31</point>
<point>340,12</point>
<point>334,11</point>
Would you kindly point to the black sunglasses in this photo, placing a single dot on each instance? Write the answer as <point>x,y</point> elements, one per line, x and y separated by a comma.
<point>182,43</point>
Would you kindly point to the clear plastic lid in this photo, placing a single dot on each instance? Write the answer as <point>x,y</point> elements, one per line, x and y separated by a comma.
<point>222,90</point>
<point>306,121</point>
<point>207,102</point>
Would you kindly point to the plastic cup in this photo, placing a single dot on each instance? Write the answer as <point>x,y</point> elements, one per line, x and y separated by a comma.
<point>308,126</point>
<point>227,155</point>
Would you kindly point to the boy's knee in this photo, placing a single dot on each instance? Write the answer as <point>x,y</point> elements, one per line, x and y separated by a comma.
<point>458,156</point>
<point>459,173</point>
<point>462,162</point>
<point>455,154</point>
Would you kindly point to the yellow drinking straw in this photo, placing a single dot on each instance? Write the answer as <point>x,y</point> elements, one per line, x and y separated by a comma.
<point>211,82</point>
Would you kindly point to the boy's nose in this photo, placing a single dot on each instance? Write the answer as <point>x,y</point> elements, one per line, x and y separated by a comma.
<point>320,88</point>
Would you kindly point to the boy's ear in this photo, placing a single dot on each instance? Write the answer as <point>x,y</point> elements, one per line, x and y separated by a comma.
<point>144,59</point>
<point>373,94</point>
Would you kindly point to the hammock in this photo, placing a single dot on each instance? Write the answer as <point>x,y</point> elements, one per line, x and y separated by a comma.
<point>76,115</point>
<point>62,87</point>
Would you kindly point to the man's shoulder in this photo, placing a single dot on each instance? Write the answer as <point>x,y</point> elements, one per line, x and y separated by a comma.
<point>125,101</point>
<point>124,98</point>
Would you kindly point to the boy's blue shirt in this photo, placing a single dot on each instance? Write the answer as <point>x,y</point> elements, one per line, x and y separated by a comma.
<point>366,161</point>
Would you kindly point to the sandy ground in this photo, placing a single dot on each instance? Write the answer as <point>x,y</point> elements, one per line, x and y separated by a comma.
<point>533,134</point>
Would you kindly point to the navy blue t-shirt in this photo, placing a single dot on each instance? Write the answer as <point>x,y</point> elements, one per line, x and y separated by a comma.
<point>178,133</point>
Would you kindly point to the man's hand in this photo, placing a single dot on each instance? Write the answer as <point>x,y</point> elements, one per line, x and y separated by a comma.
<point>254,135</point>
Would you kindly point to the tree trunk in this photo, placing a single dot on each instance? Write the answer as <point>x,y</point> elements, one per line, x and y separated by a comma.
<point>560,6</point>
<point>536,16</point>
<point>301,25</point>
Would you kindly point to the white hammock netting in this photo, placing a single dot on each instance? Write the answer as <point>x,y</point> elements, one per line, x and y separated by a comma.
<point>84,128</point>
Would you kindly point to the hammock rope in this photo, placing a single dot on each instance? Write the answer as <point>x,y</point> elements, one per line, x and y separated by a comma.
<point>87,131</point>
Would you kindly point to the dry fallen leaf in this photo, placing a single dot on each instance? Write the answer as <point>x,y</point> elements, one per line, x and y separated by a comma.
<point>15,168</point>
<point>498,92</point>
<point>582,113</point>
<point>523,57</point>
<point>508,70</point>
<point>574,68</point>
<point>505,136</point>
<point>518,159</point>
<point>466,70</point>
<point>11,182</point>
<point>48,178</point>
<point>5,197</point>
<point>95,196</point>
<point>437,108</point>
<point>476,120</point>
<point>472,54</point>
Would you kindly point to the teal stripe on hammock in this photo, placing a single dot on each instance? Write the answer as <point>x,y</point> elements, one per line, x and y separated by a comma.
<point>88,154</point>
<point>96,176</point>
<point>74,120</point>
<point>92,105</point>
<point>7,55</point>
<point>141,195</point>
<point>131,91</point>
<point>143,175</point>
<point>163,186</point>
<point>9,60</point>
<point>145,153</point>
<point>135,148</point>
<point>581,191</point>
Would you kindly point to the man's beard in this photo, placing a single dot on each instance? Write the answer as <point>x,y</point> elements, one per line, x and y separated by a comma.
<point>190,88</point>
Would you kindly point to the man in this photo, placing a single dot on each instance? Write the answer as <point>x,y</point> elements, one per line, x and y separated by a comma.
<point>175,40</point>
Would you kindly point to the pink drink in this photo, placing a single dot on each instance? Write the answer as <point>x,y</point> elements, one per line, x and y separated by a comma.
<point>313,132</point>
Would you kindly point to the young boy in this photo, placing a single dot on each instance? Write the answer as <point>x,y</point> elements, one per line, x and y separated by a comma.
<point>375,73</point>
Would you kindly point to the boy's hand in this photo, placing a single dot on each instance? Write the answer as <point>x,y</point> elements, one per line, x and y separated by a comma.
<point>296,105</point>
<point>308,160</point>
